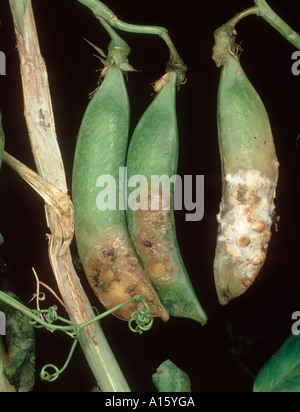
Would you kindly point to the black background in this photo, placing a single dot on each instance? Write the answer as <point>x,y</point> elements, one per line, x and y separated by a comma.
<point>261,319</point>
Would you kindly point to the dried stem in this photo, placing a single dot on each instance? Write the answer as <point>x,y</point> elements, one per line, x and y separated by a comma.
<point>51,184</point>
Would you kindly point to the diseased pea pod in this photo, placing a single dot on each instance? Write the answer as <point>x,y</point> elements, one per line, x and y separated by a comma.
<point>104,246</point>
<point>249,176</point>
<point>153,151</point>
<point>170,378</point>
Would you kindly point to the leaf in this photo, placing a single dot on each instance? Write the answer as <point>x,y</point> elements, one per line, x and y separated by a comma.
<point>19,367</point>
<point>100,51</point>
<point>5,386</point>
<point>126,67</point>
<point>282,372</point>
<point>169,378</point>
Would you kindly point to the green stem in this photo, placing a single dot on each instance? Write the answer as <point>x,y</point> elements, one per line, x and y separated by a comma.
<point>142,318</point>
<point>101,11</point>
<point>30,314</point>
<point>245,13</point>
<point>71,326</point>
<point>226,34</point>
<point>103,315</point>
<point>263,10</point>
<point>46,376</point>
<point>118,49</point>
<point>277,23</point>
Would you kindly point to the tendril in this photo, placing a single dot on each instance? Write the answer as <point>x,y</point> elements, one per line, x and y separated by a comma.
<point>48,377</point>
<point>143,317</point>
<point>51,315</point>
<point>47,318</point>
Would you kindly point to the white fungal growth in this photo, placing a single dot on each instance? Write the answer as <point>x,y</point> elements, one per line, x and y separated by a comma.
<point>245,220</point>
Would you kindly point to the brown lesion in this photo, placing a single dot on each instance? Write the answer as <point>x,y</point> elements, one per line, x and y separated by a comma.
<point>116,276</point>
<point>155,241</point>
<point>147,242</point>
<point>247,196</point>
<point>244,241</point>
<point>156,254</point>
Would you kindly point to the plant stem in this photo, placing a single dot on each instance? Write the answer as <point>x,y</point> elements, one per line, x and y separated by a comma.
<point>226,34</point>
<point>245,13</point>
<point>263,10</point>
<point>118,49</point>
<point>100,10</point>
<point>143,322</point>
<point>70,326</point>
<point>41,127</point>
<point>33,316</point>
<point>277,23</point>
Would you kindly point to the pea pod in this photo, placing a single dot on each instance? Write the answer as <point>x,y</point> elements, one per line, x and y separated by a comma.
<point>170,378</point>
<point>249,176</point>
<point>153,151</point>
<point>104,246</point>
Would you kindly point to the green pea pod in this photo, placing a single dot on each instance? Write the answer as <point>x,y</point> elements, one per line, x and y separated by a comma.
<point>104,246</point>
<point>249,176</point>
<point>153,152</point>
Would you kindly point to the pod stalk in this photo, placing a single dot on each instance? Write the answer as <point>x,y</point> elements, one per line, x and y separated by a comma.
<point>263,10</point>
<point>101,11</point>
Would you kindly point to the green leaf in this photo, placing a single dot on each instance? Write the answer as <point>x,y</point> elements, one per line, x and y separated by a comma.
<point>126,67</point>
<point>169,378</point>
<point>282,372</point>
<point>5,386</point>
<point>19,367</point>
<point>100,51</point>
